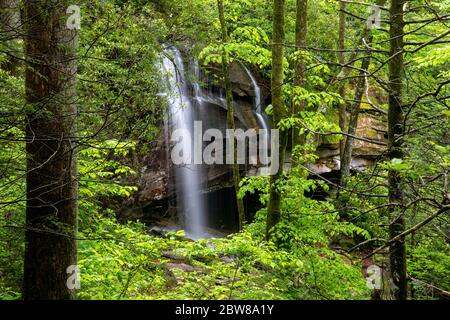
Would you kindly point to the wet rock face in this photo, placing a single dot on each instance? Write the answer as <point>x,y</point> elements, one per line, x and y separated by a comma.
<point>240,82</point>
<point>154,186</point>
<point>242,86</point>
<point>153,182</point>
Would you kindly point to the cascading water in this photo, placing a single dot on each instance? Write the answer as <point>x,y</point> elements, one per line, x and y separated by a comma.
<point>189,101</point>
<point>188,177</point>
<point>263,121</point>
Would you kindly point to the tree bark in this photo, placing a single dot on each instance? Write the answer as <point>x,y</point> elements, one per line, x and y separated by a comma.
<point>397,252</point>
<point>51,212</point>
<point>274,205</point>
<point>301,31</point>
<point>230,112</point>
<point>346,157</point>
<point>365,32</point>
<point>10,31</point>
<point>341,91</point>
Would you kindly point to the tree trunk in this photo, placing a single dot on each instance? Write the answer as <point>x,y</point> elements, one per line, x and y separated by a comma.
<point>301,31</point>
<point>10,31</point>
<point>51,213</point>
<point>346,157</point>
<point>341,91</point>
<point>347,146</point>
<point>230,112</point>
<point>274,206</point>
<point>365,32</point>
<point>397,252</point>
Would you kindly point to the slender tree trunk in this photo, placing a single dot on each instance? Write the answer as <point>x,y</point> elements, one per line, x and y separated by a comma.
<point>301,31</point>
<point>365,32</point>
<point>51,213</point>
<point>230,112</point>
<point>397,251</point>
<point>341,91</point>
<point>10,31</point>
<point>346,157</point>
<point>274,206</point>
<point>346,147</point>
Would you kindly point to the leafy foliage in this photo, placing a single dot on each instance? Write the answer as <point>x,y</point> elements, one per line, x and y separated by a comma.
<point>317,246</point>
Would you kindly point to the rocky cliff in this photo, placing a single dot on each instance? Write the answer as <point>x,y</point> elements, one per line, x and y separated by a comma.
<point>156,194</point>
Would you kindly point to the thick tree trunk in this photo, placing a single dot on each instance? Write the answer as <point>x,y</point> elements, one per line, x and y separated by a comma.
<point>51,213</point>
<point>274,206</point>
<point>301,31</point>
<point>230,112</point>
<point>10,31</point>
<point>395,135</point>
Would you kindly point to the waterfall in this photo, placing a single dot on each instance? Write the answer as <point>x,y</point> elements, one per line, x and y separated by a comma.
<point>189,101</point>
<point>257,102</point>
<point>188,177</point>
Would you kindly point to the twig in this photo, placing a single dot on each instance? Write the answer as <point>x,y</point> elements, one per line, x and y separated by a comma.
<point>411,230</point>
